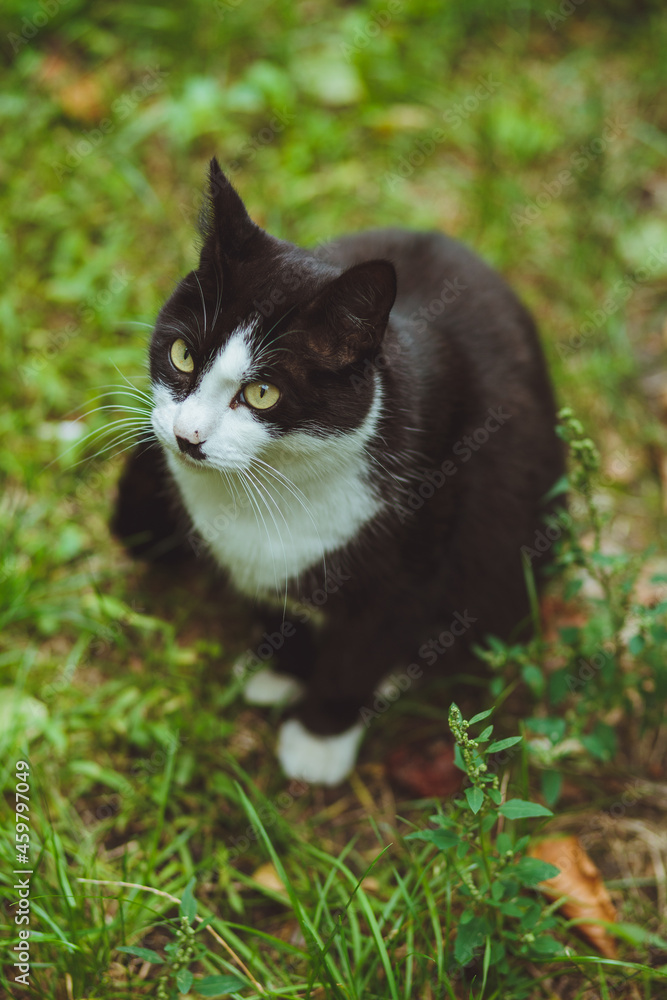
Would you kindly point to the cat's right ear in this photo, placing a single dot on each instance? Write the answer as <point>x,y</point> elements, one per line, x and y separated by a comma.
<point>226,226</point>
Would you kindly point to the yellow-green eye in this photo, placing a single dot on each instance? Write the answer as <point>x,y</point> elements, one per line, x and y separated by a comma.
<point>261,395</point>
<point>182,356</point>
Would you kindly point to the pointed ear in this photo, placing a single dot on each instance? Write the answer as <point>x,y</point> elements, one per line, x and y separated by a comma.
<point>351,313</point>
<point>227,224</point>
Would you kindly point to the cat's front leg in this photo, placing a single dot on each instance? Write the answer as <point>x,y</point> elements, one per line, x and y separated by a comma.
<point>321,741</point>
<point>322,760</point>
<point>282,662</point>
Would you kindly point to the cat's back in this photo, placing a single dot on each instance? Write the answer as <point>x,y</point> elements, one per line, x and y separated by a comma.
<point>427,263</point>
<point>447,295</point>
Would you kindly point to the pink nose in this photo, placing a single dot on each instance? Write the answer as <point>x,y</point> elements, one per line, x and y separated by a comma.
<point>191,448</point>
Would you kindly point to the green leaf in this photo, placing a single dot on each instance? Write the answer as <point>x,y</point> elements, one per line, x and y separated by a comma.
<point>530,871</point>
<point>559,685</point>
<point>511,909</point>
<point>551,784</point>
<point>486,963</point>
<point>475,797</point>
<point>469,936</point>
<point>458,759</point>
<point>545,944</point>
<point>503,842</point>
<point>489,821</point>
<point>561,486</point>
<point>145,953</point>
<point>218,986</point>
<point>483,736</point>
<point>601,743</point>
<point>188,907</point>
<point>520,809</point>
<point>495,795</point>
<point>637,935</point>
<point>444,839</point>
<point>497,889</point>
<point>552,728</point>
<point>533,677</point>
<point>503,744</point>
<point>636,645</point>
<point>184,980</point>
<point>480,716</point>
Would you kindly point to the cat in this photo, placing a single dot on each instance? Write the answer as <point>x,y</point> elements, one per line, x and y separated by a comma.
<point>365,433</point>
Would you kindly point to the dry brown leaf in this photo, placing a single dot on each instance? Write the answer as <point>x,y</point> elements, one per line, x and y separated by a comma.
<point>79,94</point>
<point>267,876</point>
<point>83,99</point>
<point>557,613</point>
<point>426,769</point>
<point>581,882</point>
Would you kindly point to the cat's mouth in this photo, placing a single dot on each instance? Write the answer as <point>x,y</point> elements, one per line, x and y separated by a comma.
<point>193,461</point>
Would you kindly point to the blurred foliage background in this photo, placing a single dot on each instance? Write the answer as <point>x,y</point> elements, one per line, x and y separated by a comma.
<point>536,132</point>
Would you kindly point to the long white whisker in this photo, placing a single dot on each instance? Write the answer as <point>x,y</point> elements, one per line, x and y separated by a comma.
<point>218,301</point>
<point>196,319</point>
<point>253,500</point>
<point>100,432</point>
<point>123,407</point>
<point>131,437</point>
<point>125,378</point>
<point>128,391</point>
<point>301,498</point>
<point>202,298</point>
<point>275,524</point>
<point>260,345</point>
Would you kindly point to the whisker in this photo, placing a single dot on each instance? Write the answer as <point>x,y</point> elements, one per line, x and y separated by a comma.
<point>109,428</point>
<point>264,339</point>
<point>123,390</point>
<point>302,499</point>
<point>253,500</point>
<point>199,333</point>
<point>131,436</point>
<point>275,524</point>
<point>218,301</point>
<point>202,298</point>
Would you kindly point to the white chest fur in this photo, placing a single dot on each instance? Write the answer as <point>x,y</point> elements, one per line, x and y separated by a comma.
<point>263,530</point>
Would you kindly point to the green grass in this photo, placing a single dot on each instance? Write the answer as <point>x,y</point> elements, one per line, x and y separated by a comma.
<point>538,138</point>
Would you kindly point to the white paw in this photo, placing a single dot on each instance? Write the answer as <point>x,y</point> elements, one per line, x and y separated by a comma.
<point>267,687</point>
<point>323,760</point>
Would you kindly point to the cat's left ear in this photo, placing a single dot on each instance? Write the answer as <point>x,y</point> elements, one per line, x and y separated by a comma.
<point>228,225</point>
<point>351,313</point>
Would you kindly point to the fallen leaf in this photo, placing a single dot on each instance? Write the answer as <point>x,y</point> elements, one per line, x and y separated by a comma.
<point>82,99</point>
<point>581,882</point>
<point>79,94</point>
<point>557,613</point>
<point>426,769</point>
<point>267,876</point>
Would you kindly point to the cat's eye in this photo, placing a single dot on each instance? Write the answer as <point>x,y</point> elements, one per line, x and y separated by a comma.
<point>181,356</point>
<point>261,395</point>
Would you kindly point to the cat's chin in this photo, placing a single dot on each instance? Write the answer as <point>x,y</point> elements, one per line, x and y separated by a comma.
<point>179,460</point>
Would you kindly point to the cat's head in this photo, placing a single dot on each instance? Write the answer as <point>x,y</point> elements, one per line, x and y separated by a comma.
<point>264,348</point>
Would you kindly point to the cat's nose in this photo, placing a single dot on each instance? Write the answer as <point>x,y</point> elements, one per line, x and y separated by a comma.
<point>193,449</point>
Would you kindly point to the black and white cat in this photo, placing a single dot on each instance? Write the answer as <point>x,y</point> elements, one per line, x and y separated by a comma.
<point>376,413</point>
